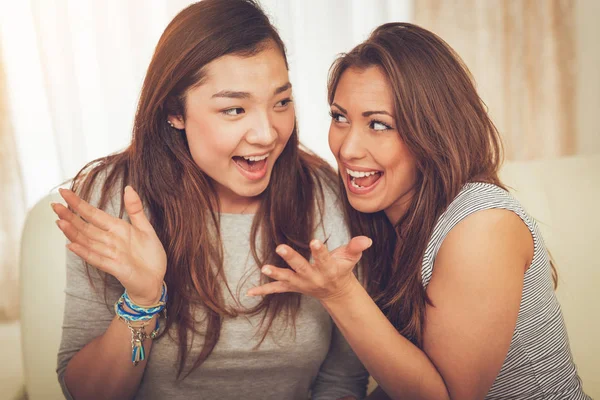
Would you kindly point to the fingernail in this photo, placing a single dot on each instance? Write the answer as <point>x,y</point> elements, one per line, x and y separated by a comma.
<point>281,251</point>
<point>52,205</point>
<point>57,222</point>
<point>127,188</point>
<point>266,271</point>
<point>316,244</point>
<point>370,242</point>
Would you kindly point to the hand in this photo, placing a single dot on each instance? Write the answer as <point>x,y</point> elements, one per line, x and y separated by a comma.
<point>329,276</point>
<point>132,253</point>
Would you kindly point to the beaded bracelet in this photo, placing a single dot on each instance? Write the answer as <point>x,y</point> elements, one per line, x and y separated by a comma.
<point>153,309</point>
<point>140,313</point>
<point>143,315</point>
<point>131,317</point>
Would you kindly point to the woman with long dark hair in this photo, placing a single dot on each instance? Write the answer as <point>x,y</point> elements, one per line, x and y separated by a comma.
<point>462,303</point>
<point>177,223</point>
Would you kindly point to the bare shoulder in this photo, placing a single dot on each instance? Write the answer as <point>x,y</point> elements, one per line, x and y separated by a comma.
<point>475,292</point>
<point>495,233</point>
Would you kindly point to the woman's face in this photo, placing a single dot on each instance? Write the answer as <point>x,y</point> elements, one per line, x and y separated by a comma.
<point>237,123</point>
<point>377,168</point>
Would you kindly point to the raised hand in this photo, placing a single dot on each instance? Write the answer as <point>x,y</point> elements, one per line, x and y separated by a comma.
<point>131,252</point>
<point>328,276</point>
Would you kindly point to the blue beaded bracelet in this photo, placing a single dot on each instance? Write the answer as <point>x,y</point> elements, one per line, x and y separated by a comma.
<point>140,314</point>
<point>131,317</point>
<point>147,310</point>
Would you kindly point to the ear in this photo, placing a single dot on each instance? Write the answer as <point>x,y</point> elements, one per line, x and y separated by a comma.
<point>177,121</point>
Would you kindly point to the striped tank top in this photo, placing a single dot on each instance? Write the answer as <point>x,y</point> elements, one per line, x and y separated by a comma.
<point>539,364</point>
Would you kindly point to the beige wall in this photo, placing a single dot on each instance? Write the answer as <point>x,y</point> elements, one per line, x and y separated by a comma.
<point>587,14</point>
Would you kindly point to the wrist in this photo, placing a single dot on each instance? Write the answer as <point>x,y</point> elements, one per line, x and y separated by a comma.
<point>151,299</point>
<point>346,292</point>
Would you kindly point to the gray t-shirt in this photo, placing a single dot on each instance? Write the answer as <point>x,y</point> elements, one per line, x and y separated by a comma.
<point>316,359</point>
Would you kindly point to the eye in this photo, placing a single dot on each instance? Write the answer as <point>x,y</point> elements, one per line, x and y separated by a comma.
<point>233,111</point>
<point>337,117</point>
<point>283,103</point>
<point>379,126</point>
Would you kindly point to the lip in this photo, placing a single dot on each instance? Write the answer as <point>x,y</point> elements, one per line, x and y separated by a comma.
<point>255,154</point>
<point>254,175</point>
<point>360,191</point>
<point>360,169</point>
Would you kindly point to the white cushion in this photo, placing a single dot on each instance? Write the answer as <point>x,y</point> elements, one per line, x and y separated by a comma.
<point>563,196</point>
<point>43,273</point>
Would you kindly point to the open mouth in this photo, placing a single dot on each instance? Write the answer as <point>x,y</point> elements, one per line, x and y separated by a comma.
<point>252,167</point>
<point>362,181</point>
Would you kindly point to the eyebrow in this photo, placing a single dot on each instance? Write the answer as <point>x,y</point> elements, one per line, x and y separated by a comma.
<point>230,94</point>
<point>364,114</point>
<point>369,113</point>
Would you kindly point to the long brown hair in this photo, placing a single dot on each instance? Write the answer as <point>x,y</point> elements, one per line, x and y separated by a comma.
<point>444,123</point>
<point>180,197</point>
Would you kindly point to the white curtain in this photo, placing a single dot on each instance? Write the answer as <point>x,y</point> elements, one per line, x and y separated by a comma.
<point>74,69</point>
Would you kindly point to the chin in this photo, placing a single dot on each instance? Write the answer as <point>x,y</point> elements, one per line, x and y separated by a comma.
<point>251,189</point>
<point>363,205</point>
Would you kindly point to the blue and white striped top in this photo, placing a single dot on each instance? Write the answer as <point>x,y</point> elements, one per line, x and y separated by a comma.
<point>539,364</point>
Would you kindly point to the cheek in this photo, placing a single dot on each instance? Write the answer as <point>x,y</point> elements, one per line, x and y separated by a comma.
<point>399,163</point>
<point>284,125</point>
<point>335,140</point>
<point>211,139</point>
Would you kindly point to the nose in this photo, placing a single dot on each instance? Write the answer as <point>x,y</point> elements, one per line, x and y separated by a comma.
<point>352,147</point>
<point>262,132</point>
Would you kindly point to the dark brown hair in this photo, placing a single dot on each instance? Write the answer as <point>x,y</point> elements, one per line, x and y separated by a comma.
<point>180,197</point>
<point>444,123</point>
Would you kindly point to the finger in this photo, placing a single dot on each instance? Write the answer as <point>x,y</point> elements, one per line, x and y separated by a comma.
<point>135,210</point>
<point>90,213</point>
<point>102,263</point>
<point>292,258</point>
<point>357,245</point>
<point>85,228</point>
<point>279,274</point>
<point>75,236</point>
<point>319,252</point>
<point>270,288</point>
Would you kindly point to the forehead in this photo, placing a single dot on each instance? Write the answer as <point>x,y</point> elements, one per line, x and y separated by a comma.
<point>366,88</point>
<point>260,72</point>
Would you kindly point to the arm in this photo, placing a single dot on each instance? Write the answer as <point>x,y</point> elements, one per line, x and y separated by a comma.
<point>113,374</point>
<point>475,288</point>
<point>95,355</point>
<point>399,367</point>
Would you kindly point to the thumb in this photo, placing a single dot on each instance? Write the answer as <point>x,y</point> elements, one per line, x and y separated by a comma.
<point>357,245</point>
<point>135,209</point>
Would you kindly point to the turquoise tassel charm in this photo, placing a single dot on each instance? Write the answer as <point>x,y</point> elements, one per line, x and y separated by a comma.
<point>138,353</point>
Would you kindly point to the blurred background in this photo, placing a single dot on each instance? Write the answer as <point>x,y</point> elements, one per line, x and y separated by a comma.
<point>71,72</point>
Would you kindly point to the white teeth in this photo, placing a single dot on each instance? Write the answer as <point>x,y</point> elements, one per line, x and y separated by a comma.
<point>360,174</point>
<point>256,158</point>
<point>354,184</point>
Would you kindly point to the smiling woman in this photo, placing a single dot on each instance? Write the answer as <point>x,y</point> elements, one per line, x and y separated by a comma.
<point>179,222</point>
<point>459,300</point>
<point>364,126</point>
<point>237,123</point>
